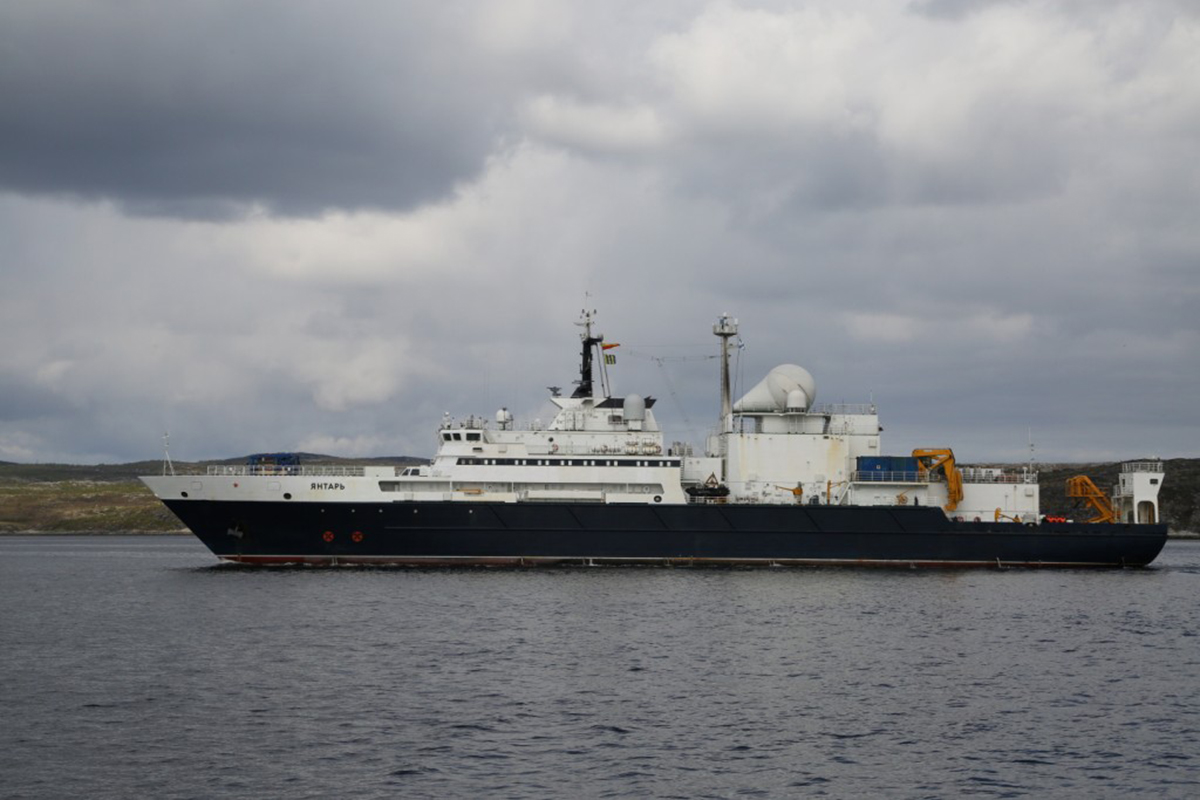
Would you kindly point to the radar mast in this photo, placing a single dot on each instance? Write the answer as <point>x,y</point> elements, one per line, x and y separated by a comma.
<point>590,342</point>
<point>726,328</point>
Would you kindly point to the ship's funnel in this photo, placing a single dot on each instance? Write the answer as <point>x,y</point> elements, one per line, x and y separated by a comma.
<point>786,388</point>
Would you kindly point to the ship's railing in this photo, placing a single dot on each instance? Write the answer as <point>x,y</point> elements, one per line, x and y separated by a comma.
<point>1142,466</point>
<point>470,423</point>
<point>969,475</point>
<point>994,475</point>
<point>757,501</point>
<point>846,409</point>
<point>330,471</point>
<point>885,476</point>
<point>474,423</point>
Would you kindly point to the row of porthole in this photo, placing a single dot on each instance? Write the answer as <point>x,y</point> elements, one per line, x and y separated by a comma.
<point>286,495</point>
<point>355,537</point>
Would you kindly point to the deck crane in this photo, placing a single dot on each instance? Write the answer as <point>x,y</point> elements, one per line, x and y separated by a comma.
<point>797,491</point>
<point>941,460</point>
<point>1081,487</point>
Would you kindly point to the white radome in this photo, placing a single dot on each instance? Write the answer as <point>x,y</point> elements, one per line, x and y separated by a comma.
<point>786,388</point>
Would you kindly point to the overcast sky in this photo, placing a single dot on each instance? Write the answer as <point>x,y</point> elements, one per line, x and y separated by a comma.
<point>318,226</point>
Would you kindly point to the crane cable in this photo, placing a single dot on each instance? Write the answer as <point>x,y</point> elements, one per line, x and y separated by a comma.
<point>661,362</point>
<point>662,368</point>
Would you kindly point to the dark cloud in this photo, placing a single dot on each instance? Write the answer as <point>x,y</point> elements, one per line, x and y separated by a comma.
<point>957,9</point>
<point>320,229</point>
<point>22,399</point>
<point>201,109</point>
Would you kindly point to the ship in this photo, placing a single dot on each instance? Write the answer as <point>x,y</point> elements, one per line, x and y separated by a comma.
<point>781,481</point>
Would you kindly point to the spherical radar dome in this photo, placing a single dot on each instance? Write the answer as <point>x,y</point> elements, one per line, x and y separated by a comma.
<point>786,388</point>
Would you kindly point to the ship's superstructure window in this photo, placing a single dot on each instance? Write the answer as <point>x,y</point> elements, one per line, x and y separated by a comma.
<point>564,462</point>
<point>473,436</point>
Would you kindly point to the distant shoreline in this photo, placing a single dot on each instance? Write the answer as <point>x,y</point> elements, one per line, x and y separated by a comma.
<point>180,532</point>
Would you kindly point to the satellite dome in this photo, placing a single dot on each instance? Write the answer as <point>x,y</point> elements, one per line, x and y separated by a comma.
<point>786,388</point>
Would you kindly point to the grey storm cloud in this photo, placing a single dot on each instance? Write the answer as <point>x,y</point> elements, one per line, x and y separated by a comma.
<point>200,108</point>
<point>274,225</point>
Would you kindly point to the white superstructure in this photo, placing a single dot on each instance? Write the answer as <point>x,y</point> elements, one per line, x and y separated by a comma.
<point>597,449</point>
<point>774,446</point>
<point>1135,497</point>
<point>777,445</point>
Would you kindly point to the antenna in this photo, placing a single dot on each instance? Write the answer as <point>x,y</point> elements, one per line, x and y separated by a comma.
<point>590,341</point>
<point>168,467</point>
<point>726,328</point>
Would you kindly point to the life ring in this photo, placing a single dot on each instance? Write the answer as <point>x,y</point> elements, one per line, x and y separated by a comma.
<point>327,536</point>
<point>553,448</point>
<point>657,449</point>
<point>357,536</point>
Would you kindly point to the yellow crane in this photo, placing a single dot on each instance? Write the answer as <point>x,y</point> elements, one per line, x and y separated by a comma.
<point>797,492</point>
<point>1081,487</point>
<point>942,460</point>
<point>829,490</point>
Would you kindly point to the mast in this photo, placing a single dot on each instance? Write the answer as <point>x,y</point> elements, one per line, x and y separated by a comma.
<point>725,328</point>
<point>589,343</point>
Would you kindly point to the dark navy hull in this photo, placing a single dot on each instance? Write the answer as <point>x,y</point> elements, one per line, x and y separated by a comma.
<point>462,533</point>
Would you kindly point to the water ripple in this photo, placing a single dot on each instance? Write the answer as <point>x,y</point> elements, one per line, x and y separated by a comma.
<point>165,676</point>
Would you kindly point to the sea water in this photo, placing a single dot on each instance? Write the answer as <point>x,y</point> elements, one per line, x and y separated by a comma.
<point>140,667</point>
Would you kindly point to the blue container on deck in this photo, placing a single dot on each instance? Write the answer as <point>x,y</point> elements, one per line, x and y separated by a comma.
<point>874,463</point>
<point>887,468</point>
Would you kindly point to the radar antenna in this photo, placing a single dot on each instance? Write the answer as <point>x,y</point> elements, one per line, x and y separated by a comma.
<point>590,341</point>
<point>726,328</point>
